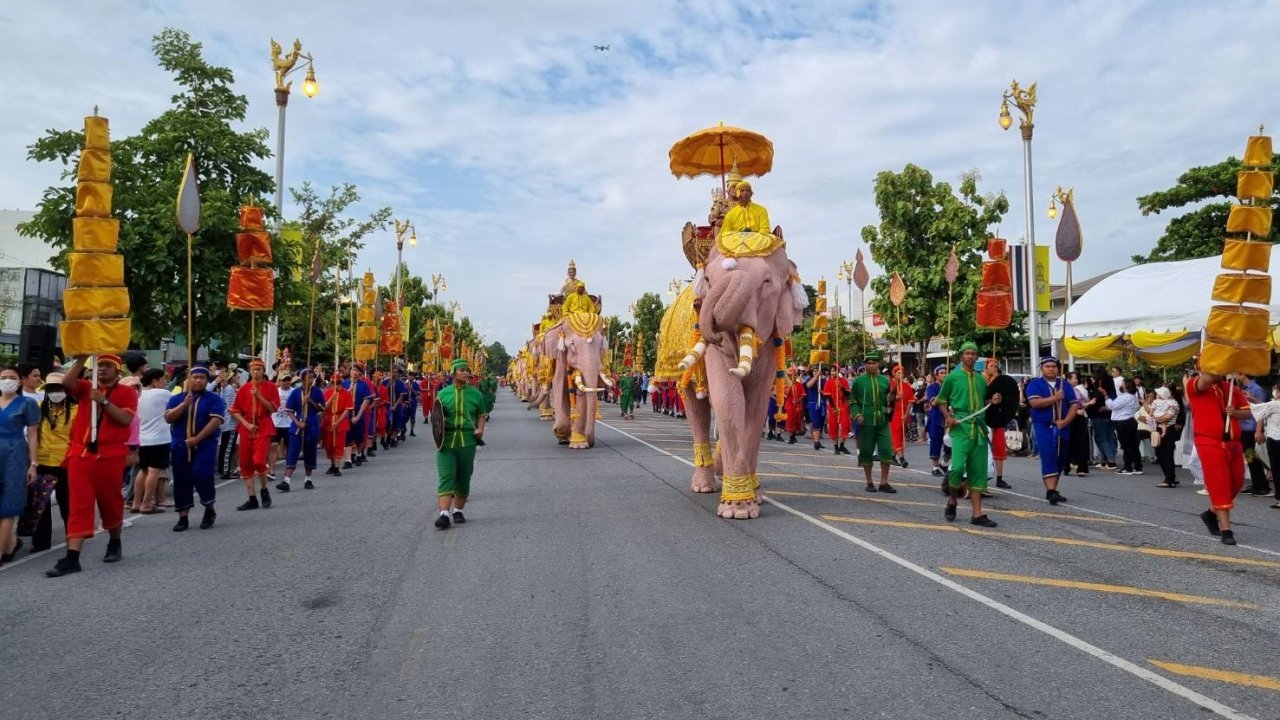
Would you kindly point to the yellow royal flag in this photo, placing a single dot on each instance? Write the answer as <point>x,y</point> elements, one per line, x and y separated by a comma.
<point>404,324</point>
<point>292,239</point>
<point>1042,278</point>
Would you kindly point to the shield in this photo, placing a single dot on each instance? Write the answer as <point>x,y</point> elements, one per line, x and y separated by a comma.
<point>437,424</point>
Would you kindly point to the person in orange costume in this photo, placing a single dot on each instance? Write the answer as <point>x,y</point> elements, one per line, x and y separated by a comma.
<point>338,405</point>
<point>903,395</point>
<point>255,402</point>
<point>1217,407</point>
<point>795,405</point>
<point>839,424</point>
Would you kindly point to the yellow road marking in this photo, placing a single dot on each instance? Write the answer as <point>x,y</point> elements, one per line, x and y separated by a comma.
<point>871,498</point>
<point>1097,587</point>
<point>1158,552</point>
<point>1226,676</point>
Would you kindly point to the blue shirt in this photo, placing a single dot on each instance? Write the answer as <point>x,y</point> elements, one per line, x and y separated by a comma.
<point>1256,396</point>
<point>312,411</point>
<point>1041,388</point>
<point>206,406</point>
<point>21,414</point>
<point>931,392</point>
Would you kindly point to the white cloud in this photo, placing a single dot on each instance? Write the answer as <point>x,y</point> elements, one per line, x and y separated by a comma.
<point>514,146</point>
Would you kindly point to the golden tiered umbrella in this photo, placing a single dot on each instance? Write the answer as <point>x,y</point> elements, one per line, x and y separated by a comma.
<point>714,150</point>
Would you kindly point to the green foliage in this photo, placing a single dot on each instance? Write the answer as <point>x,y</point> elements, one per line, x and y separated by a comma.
<point>496,359</point>
<point>648,316</point>
<point>1197,233</point>
<point>853,339</point>
<point>330,242</point>
<point>1009,341</point>
<point>146,174</point>
<point>920,221</point>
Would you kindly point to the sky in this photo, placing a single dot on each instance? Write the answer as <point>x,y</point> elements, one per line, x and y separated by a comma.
<point>514,146</point>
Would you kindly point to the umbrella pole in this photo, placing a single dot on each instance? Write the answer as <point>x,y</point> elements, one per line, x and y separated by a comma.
<point>723,188</point>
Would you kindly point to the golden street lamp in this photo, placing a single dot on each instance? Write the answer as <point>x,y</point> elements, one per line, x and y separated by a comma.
<point>285,64</point>
<point>438,285</point>
<point>675,286</point>
<point>846,274</point>
<point>402,227</point>
<point>1024,99</point>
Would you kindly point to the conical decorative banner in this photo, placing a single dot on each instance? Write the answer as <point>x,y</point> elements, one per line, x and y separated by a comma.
<point>995,296</point>
<point>1069,242</point>
<point>897,290</point>
<point>189,199</point>
<point>860,275</point>
<point>953,267</point>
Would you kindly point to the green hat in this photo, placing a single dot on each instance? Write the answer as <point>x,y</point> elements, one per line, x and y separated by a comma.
<point>969,346</point>
<point>459,364</point>
<point>873,355</point>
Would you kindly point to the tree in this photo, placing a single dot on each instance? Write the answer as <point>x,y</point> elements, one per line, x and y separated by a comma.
<point>853,340</point>
<point>496,359</point>
<point>648,316</point>
<point>146,174</point>
<point>330,242</point>
<point>1197,233</point>
<point>1008,342</point>
<point>920,222</point>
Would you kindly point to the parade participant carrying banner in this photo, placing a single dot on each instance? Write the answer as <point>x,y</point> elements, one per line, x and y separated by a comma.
<point>1053,408</point>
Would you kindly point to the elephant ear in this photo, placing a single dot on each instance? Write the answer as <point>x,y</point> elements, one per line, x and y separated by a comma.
<point>789,302</point>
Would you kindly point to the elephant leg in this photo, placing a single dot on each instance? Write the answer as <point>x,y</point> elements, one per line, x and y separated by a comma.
<point>698,412</point>
<point>584,422</point>
<point>738,491</point>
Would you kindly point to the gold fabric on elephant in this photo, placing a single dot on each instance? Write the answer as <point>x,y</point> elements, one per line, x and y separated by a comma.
<point>739,487</point>
<point>748,244</point>
<point>673,335</point>
<point>584,323</point>
<point>702,456</point>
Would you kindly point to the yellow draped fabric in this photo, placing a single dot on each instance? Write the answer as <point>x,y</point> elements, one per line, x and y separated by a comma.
<point>752,218</point>
<point>1104,348</point>
<point>1143,339</point>
<point>579,302</point>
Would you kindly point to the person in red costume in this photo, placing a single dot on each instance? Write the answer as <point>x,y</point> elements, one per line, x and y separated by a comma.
<point>255,402</point>
<point>1217,407</point>
<point>839,424</point>
<point>95,463</point>
<point>795,405</point>
<point>338,406</point>
<point>902,395</point>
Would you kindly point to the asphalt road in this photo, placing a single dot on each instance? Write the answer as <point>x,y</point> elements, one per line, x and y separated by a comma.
<point>593,584</point>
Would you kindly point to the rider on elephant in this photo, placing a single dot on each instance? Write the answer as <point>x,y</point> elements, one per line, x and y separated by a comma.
<point>571,282</point>
<point>579,300</point>
<point>869,405</point>
<point>746,216</point>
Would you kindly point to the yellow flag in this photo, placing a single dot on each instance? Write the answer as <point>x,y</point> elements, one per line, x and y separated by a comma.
<point>404,324</point>
<point>1042,278</point>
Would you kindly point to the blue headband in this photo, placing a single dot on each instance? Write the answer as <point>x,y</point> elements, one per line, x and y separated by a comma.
<point>199,370</point>
<point>1049,359</point>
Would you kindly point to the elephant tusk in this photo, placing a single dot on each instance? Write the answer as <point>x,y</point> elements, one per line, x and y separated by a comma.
<point>698,350</point>
<point>746,352</point>
<point>560,344</point>
<point>605,378</point>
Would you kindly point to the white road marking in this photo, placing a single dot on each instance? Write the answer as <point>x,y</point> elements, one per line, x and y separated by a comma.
<point>1062,636</point>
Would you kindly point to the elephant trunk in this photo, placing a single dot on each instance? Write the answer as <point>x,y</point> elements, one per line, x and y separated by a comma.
<point>727,308</point>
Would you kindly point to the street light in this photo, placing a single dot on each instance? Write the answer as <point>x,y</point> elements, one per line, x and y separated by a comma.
<point>674,287</point>
<point>438,285</point>
<point>285,64</point>
<point>845,273</point>
<point>402,228</point>
<point>1025,100</point>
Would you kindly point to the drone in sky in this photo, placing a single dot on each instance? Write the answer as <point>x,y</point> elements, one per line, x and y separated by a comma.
<point>602,48</point>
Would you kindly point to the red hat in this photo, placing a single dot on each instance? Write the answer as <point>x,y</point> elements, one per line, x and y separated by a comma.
<point>257,362</point>
<point>110,359</point>
<point>358,365</point>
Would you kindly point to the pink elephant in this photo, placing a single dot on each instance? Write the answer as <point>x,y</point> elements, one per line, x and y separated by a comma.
<point>577,345</point>
<point>750,302</point>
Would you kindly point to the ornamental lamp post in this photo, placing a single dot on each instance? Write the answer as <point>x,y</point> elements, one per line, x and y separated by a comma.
<point>401,229</point>
<point>846,274</point>
<point>438,285</point>
<point>1025,100</point>
<point>285,64</point>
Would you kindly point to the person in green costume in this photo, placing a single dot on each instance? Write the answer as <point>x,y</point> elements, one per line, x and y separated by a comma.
<point>626,395</point>
<point>489,389</point>
<point>868,403</point>
<point>464,419</point>
<point>961,401</point>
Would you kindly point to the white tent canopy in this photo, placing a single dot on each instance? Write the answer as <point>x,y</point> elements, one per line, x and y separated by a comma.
<point>1156,297</point>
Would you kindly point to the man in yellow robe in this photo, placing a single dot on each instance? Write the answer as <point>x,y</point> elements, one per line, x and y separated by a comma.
<point>746,215</point>
<point>579,301</point>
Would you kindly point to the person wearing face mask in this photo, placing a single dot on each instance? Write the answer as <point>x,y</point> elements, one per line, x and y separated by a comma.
<point>17,457</point>
<point>53,436</point>
<point>95,464</point>
<point>1267,415</point>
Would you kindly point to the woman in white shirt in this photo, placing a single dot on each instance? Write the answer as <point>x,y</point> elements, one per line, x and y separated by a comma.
<point>153,440</point>
<point>1123,408</point>
<point>1268,416</point>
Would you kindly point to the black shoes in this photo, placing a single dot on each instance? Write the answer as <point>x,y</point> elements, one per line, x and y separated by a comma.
<point>283,486</point>
<point>347,465</point>
<point>308,485</point>
<point>1228,537</point>
<point>1000,483</point>
<point>113,552</point>
<point>871,487</point>
<point>791,440</point>
<point>887,488</point>
<point>1054,497</point>
<point>442,522</point>
<point>1210,519</point>
<point>458,517</point>
<point>9,556</point>
<point>901,461</point>
<point>950,513</point>
<point>181,525</point>
<point>983,521</point>
<point>266,498</point>
<point>209,516</point>
<point>844,450</point>
<point>819,446</point>
<point>250,504</point>
<point>64,566</point>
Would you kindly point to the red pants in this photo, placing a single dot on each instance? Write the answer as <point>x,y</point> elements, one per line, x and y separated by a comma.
<point>334,441</point>
<point>93,479</point>
<point>253,450</point>
<point>898,433</point>
<point>1000,450</point>
<point>839,426</point>
<point>1223,464</point>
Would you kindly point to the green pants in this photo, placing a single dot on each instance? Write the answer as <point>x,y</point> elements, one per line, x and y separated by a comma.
<point>626,403</point>
<point>872,438</point>
<point>454,467</point>
<point>968,457</point>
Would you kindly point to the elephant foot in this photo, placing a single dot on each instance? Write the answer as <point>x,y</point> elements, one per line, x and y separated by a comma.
<point>704,481</point>
<point>739,510</point>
